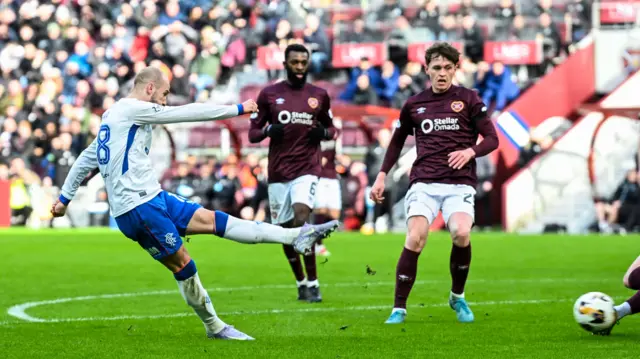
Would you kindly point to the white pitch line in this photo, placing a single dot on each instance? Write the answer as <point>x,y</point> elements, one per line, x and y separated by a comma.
<point>19,310</point>
<point>284,311</point>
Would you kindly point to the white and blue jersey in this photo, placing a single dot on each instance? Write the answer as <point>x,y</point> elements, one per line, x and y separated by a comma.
<point>121,153</point>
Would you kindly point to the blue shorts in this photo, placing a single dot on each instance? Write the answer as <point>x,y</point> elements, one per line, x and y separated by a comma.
<point>159,224</point>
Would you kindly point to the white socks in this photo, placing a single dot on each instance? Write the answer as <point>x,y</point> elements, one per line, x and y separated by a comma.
<point>623,310</point>
<point>301,283</point>
<point>197,297</point>
<point>456,296</point>
<point>250,232</point>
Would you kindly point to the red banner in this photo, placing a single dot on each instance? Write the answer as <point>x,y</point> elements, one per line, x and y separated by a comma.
<point>513,52</point>
<point>416,50</point>
<point>349,55</point>
<point>270,58</point>
<point>5,209</point>
<point>618,12</point>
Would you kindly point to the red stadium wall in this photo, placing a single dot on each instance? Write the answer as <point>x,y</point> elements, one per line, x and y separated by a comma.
<point>5,210</point>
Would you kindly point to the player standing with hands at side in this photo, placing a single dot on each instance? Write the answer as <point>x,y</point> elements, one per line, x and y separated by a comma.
<point>158,220</point>
<point>446,121</point>
<point>296,116</point>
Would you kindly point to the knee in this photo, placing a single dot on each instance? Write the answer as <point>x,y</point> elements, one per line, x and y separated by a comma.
<point>416,241</point>
<point>625,281</point>
<point>300,216</point>
<point>461,236</point>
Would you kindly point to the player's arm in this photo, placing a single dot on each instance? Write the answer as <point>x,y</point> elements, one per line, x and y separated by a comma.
<point>194,112</point>
<point>325,131</point>
<point>86,162</point>
<point>399,137</point>
<point>258,131</point>
<point>485,127</point>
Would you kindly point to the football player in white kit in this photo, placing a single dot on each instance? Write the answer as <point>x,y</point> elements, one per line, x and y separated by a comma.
<point>158,220</point>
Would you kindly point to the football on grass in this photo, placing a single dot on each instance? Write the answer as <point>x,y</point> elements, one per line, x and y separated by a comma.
<point>594,312</point>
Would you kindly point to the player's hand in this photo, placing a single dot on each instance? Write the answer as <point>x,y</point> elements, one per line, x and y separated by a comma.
<point>459,159</point>
<point>318,133</point>
<point>250,106</point>
<point>275,131</point>
<point>58,209</point>
<point>377,191</point>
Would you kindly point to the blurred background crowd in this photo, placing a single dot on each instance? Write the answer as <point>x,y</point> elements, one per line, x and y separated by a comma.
<point>64,62</point>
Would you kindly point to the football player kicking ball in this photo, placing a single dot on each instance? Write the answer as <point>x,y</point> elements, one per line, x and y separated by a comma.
<point>446,121</point>
<point>631,306</point>
<point>158,220</point>
<point>296,116</point>
<point>329,195</point>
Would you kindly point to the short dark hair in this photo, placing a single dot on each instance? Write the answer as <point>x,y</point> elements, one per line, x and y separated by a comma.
<point>295,48</point>
<point>442,49</point>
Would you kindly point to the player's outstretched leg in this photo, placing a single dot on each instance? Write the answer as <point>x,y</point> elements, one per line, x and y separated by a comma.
<point>185,272</point>
<point>632,305</point>
<point>460,228</point>
<point>302,239</point>
<point>407,269</point>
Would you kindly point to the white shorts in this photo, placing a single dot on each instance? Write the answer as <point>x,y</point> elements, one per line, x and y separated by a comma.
<point>427,199</point>
<point>282,196</point>
<point>329,194</point>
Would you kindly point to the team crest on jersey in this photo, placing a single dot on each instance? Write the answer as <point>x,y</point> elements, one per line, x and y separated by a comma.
<point>457,106</point>
<point>313,102</point>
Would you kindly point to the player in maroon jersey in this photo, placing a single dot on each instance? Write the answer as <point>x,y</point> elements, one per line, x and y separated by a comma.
<point>446,121</point>
<point>296,116</point>
<point>328,204</point>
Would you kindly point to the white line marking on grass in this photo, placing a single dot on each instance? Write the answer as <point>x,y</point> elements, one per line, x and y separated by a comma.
<point>282,311</point>
<point>19,310</point>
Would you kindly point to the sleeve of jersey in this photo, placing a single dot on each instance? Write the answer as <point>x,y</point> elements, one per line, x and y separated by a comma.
<point>259,120</point>
<point>86,162</point>
<point>485,127</point>
<point>194,112</point>
<point>403,129</point>
<point>326,119</point>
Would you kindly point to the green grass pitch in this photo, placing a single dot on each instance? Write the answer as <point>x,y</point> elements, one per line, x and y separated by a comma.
<point>123,304</point>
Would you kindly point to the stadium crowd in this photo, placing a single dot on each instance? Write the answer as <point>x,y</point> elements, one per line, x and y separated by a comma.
<point>64,62</point>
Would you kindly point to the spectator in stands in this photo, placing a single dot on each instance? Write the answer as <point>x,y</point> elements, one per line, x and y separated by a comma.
<point>579,17</point>
<point>315,37</point>
<point>473,39</point>
<point>498,86</point>
<point>389,77</point>
<point>620,213</point>
<point>365,94</point>
<point>429,17</point>
<point>551,43</point>
<point>385,14</point>
<point>359,34</point>
<point>505,12</point>
<point>405,90</point>
<point>449,31</point>
<point>398,41</point>
<point>364,68</point>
